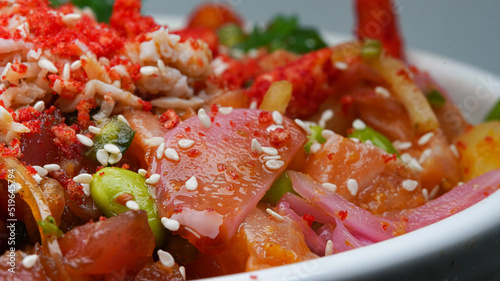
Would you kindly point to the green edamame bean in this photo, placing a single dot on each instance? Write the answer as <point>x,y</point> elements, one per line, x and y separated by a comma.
<point>281,185</point>
<point>112,187</point>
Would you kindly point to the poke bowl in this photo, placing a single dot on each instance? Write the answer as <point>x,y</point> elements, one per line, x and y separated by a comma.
<point>205,147</point>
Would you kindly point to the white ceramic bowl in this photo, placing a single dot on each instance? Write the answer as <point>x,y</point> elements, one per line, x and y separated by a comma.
<point>465,246</point>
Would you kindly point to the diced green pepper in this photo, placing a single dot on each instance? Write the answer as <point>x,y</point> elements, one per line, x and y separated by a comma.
<point>369,134</point>
<point>49,226</point>
<point>281,186</point>
<point>114,132</point>
<point>371,49</point>
<point>435,98</point>
<point>494,113</point>
<point>110,183</point>
<point>315,136</point>
<point>230,35</point>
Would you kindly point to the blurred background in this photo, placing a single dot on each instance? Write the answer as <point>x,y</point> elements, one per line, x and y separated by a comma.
<point>465,30</point>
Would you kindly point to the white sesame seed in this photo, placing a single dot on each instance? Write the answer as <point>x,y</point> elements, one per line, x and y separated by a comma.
<point>356,140</point>
<point>29,261</point>
<point>66,72</point>
<point>256,146</point>
<point>225,110</point>
<point>84,140</point>
<point>327,134</point>
<point>276,157</point>
<point>142,172</point>
<point>358,124</point>
<point>117,83</point>
<point>270,150</point>
<point>253,105</point>
<point>454,150</point>
<point>425,193</point>
<point>329,248</point>
<point>166,259</point>
<point>369,142</point>
<point>274,214</point>
<point>132,205</point>
<point>83,178</point>
<point>102,157</point>
<point>425,154</point>
<point>352,186</point>
<point>383,92</point>
<point>434,192</point>
<point>182,270</point>
<point>155,141</point>
<point>303,125</point>
<point>149,70</point>
<point>153,179</point>
<point>192,183</point>
<point>160,150</point>
<point>277,118</point>
<point>115,158</point>
<point>274,164</point>
<point>76,64</point>
<point>39,106</point>
<point>37,178</point>
<point>425,138</point>
<point>46,64</point>
<point>414,165</point>
<point>330,186</point>
<point>460,183</point>
<point>325,117</point>
<point>51,167</point>
<point>41,171</point>
<point>185,143</point>
<point>340,65</point>
<point>410,185</point>
<point>17,187</point>
<point>402,145</point>
<point>95,130</point>
<point>70,19</point>
<point>111,148</point>
<point>86,189</point>
<point>315,147</point>
<point>170,224</point>
<point>204,119</point>
<point>171,154</point>
<point>273,127</point>
<point>123,119</point>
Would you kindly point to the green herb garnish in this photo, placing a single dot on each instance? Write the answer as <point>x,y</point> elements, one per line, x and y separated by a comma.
<point>369,134</point>
<point>282,185</point>
<point>101,8</point>
<point>494,113</point>
<point>49,226</point>
<point>315,136</point>
<point>283,33</point>
<point>435,98</point>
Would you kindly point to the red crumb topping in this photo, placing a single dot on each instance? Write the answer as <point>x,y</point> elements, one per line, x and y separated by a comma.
<point>389,157</point>
<point>279,137</point>
<point>84,107</point>
<point>128,21</point>
<point>308,218</point>
<point>265,117</point>
<point>342,215</point>
<point>169,119</point>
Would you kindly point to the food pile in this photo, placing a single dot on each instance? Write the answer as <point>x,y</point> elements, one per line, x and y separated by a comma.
<point>130,151</point>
